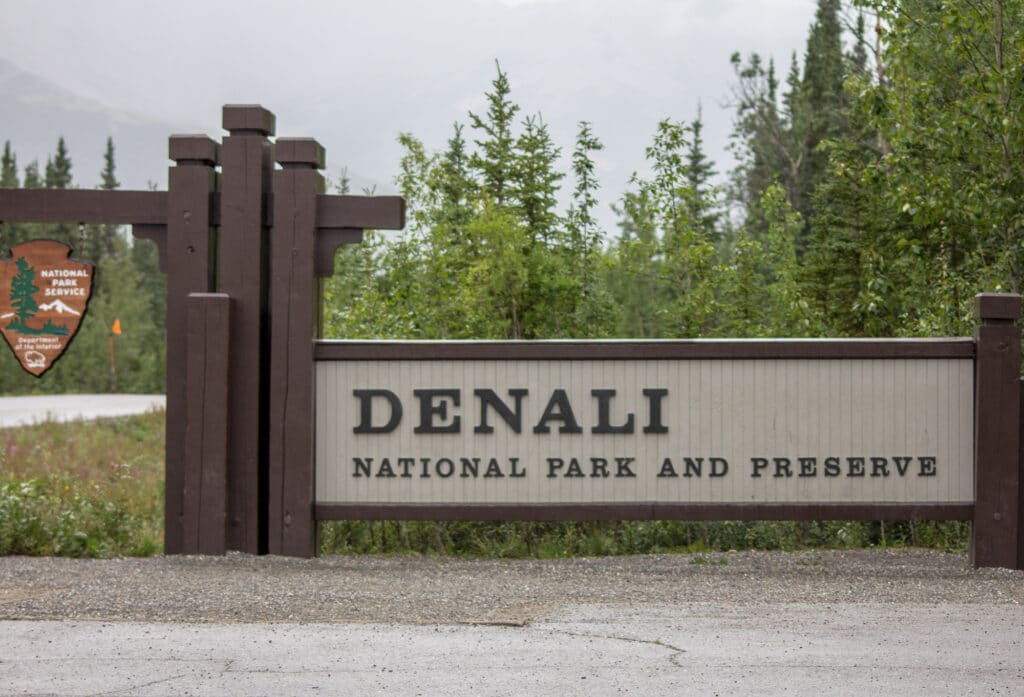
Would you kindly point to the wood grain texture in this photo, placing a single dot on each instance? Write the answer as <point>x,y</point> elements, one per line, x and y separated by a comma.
<point>242,274</point>
<point>997,432</point>
<point>377,212</point>
<point>206,431</point>
<point>83,206</point>
<point>294,326</point>
<point>189,270</point>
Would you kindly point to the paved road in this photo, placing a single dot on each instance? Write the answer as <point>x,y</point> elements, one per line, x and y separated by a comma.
<point>691,649</point>
<point>21,411</point>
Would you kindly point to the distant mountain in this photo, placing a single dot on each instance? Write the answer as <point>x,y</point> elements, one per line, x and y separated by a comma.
<point>59,307</point>
<point>35,112</point>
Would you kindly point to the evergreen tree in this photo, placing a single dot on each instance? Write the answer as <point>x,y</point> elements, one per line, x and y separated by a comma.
<point>699,171</point>
<point>496,160</point>
<point>820,108</point>
<point>32,179</point>
<point>58,168</point>
<point>584,235</point>
<point>58,176</point>
<point>108,180</point>
<point>102,242</point>
<point>8,168</point>
<point>10,233</point>
<point>536,180</point>
<point>456,188</point>
<point>23,288</point>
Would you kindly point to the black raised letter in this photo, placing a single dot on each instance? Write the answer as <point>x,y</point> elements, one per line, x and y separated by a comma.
<point>604,400</point>
<point>429,409</point>
<point>365,398</point>
<point>558,409</point>
<point>654,396</point>
<point>488,398</point>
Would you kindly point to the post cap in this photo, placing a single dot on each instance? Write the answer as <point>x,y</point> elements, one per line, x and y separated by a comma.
<point>239,119</point>
<point>199,149</point>
<point>997,306</point>
<point>299,151</point>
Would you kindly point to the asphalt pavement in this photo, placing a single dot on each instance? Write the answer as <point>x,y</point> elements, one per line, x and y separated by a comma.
<point>693,649</point>
<point>23,411</point>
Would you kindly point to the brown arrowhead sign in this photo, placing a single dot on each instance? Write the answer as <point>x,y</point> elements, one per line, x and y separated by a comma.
<point>43,296</point>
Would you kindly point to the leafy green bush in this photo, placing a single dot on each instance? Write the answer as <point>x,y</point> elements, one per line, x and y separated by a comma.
<point>62,516</point>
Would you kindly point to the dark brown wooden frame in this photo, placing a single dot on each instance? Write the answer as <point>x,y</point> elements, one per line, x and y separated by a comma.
<point>999,451</point>
<point>781,349</point>
<point>212,230</point>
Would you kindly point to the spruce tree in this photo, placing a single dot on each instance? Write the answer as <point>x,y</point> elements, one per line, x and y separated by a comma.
<point>699,171</point>
<point>584,235</point>
<point>104,241</point>
<point>108,180</point>
<point>10,233</point>
<point>820,111</point>
<point>8,168</point>
<point>536,180</point>
<point>456,187</point>
<point>32,179</point>
<point>496,159</point>
<point>58,176</point>
<point>58,168</point>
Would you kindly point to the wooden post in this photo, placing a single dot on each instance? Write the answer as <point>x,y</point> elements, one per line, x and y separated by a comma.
<point>189,269</point>
<point>206,431</point>
<point>1020,484</point>
<point>246,172</point>
<point>295,303</point>
<point>997,425</point>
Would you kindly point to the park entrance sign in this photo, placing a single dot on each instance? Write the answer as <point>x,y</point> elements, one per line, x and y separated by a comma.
<point>271,430</point>
<point>663,429</point>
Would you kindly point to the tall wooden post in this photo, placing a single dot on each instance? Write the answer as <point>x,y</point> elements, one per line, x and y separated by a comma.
<point>246,166</point>
<point>295,304</point>
<point>190,268</point>
<point>997,404</point>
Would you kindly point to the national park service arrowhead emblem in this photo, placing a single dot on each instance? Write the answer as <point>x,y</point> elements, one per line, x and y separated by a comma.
<point>43,295</point>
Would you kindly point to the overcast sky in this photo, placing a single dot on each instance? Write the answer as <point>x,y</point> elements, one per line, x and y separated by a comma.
<point>356,74</point>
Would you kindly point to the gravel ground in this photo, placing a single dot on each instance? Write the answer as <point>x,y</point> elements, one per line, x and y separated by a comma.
<point>418,590</point>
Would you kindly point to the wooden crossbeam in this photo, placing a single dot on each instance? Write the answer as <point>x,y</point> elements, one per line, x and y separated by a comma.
<point>83,206</point>
<point>150,208</point>
<point>374,212</point>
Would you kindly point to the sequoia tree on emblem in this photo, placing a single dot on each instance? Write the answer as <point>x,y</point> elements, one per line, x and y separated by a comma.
<point>43,297</point>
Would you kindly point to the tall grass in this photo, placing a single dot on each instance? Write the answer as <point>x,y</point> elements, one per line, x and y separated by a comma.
<point>83,489</point>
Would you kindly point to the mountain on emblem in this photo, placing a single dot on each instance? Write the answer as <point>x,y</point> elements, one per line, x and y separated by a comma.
<point>43,296</point>
<point>59,307</point>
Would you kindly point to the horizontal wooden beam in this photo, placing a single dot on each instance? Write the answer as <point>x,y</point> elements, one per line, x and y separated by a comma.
<point>150,208</point>
<point>373,212</point>
<point>806,349</point>
<point>83,206</point>
<point>644,511</point>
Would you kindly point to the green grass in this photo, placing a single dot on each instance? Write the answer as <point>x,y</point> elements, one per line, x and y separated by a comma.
<point>96,490</point>
<point>83,489</point>
<point>553,540</point>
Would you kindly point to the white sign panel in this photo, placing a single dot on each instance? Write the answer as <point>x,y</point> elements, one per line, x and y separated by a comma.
<point>668,431</point>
